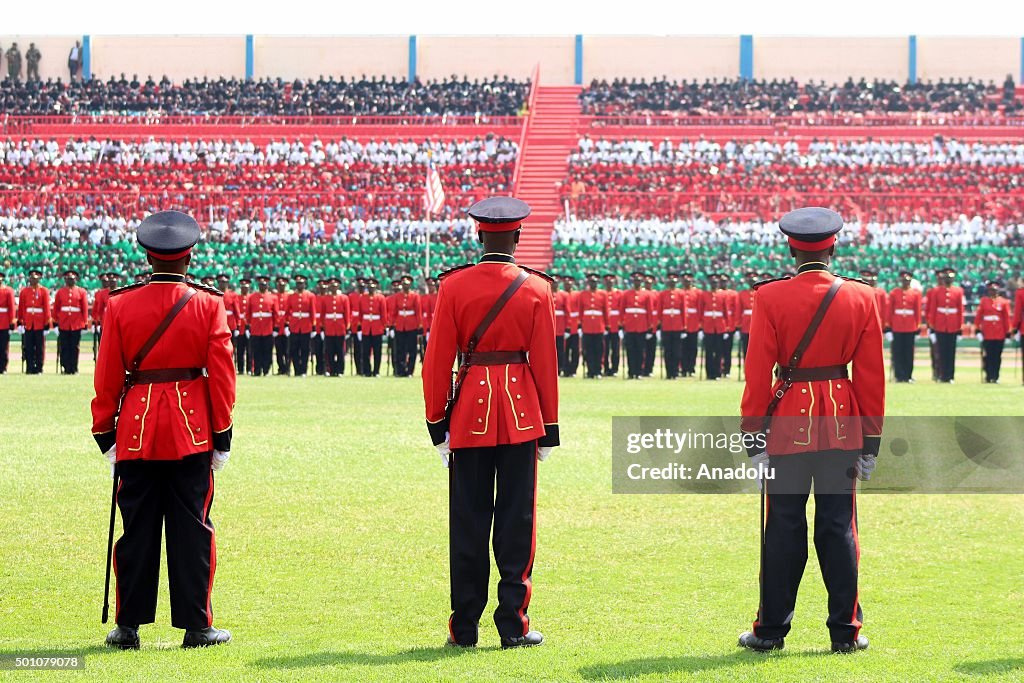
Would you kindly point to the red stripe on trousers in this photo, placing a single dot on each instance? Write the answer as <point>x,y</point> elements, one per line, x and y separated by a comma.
<point>213,553</point>
<point>856,543</point>
<point>533,551</point>
<point>760,577</point>
<point>113,557</point>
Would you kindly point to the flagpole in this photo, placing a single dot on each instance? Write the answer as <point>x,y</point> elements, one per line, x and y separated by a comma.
<point>426,271</point>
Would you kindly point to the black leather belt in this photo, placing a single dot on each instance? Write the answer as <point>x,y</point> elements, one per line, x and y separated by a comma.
<point>164,375</point>
<point>821,374</point>
<point>494,358</point>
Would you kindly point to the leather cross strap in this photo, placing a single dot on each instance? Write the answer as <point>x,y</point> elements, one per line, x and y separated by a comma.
<point>821,374</point>
<point>805,341</point>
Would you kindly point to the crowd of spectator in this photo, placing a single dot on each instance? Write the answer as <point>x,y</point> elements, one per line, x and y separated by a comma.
<point>733,96</point>
<point>324,96</point>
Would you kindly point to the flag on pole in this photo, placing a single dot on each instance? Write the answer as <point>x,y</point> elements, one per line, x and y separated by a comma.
<point>433,196</point>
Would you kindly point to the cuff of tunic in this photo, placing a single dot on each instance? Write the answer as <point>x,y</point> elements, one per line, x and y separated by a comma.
<point>550,437</point>
<point>438,430</point>
<point>222,440</point>
<point>106,440</point>
<point>871,445</point>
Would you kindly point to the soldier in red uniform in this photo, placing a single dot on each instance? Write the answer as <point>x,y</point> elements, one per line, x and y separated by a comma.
<point>638,321</point>
<point>71,315</point>
<point>262,314</point>
<point>8,318</point>
<point>99,307</point>
<point>1018,314</point>
<point>870,276</point>
<point>335,319</point>
<point>563,315</point>
<point>405,317</point>
<point>825,427</point>
<point>34,320</point>
<point>572,341</point>
<point>717,311</point>
<point>373,316</point>
<point>944,313</point>
<point>503,421</point>
<point>236,321</point>
<point>693,315</point>
<point>992,325</point>
<point>905,322</point>
<point>593,307</point>
<point>734,318</point>
<point>650,341</point>
<point>243,350</point>
<point>613,337</point>
<point>428,302</point>
<point>281,324</point>
<point>746,310</point>
<point>300,314</point>
<point>173,431</point>
<point>355,297</point>
<point>671,314</point>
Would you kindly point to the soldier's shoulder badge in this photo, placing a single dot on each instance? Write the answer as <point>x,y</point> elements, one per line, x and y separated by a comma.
<point>127,288</point>
<point>541,273</point>
<point>774,279</point>
<point>448,272</point>
<point>855,279</point>
<point>204,288</point>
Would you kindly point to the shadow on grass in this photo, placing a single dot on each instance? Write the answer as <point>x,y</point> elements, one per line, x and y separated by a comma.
<point>422,654</point>
<point>631,668</point>
<point>988,667</point>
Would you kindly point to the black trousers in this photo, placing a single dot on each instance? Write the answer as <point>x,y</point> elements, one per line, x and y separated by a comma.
<point>744,343</point>
<point>318,354</point>
<point>262,354</point>
<point>992,358</point>
<point>496,484</point>
<point>357,354</point>
<point>635,345</point>
<point>727,344</point>
<point>610,359</point>
<point>176,495</point>
<point>283,360</point>
<point>945,349</point>
<point>70,347</point>
<point>334,355</point>
<point>405,352</point>
<point>5,349</point>
<point>835,541</point>
<point>593,349</point>
<point>243,353</point>
<point>672,348</point>
<point>650,350</point>
<point>560,343</point>
<point>371,346</point>
<point>690,353</point>
<point>572,355</point>
<point>714,345</point>
<point>298,352</point>
<point>903,355</point>
<point>34,347</point>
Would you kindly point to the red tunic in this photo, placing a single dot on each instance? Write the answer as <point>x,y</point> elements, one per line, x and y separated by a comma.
<point>404,311</point>
<point>905,310</point>
<point>498,404</point>
<point>562,311</point>
<point>717,312</point>
<point>882,301</point>
<point>693,301</point>
<point>428,302</point>
<point>614,309</point>
<point>334,315</point>
<point>34,308</point>
<point>168,420</point>
<point>71,308</point>
<point>573,313</point>
<point>992,317</point>
<point>746,301</point>
<point>594,311</point>
<point>373,313</point>
<point>638,311</point>
<point>1018,310</point>
<point>262,313</point>
<point>99,305</point>
<point>300,311</point>
<point>354,302</point>
<point>233,310</point>
<point>8,309</point>
<point>671,310</point>
<point>850,332</point>
<point>944,309</point>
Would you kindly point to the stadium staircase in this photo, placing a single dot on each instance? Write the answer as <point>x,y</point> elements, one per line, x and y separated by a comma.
<point>549,137</point>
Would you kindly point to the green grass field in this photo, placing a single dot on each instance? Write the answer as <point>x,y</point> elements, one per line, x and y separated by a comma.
<point>332,541</point>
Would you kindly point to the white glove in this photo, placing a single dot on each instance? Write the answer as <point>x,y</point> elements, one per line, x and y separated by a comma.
<point>247,334</point>
<point>92,328</point>
<point>580,332</point>
<point>1016,337</point>
<point>648,335</point>
<point>725,336</point>
<point>658,335</point>
<point>21,329</point>
<point>566,335</point>
<point>736,335</point>
<point>757,461</point>
<point>234,333</point>
<point>444,450</point>
<point>700,336</point>
<point>684,335</point>
<point>543,452</point>
<point>274,333</point>
<point>865,466</point>
<point>426,337</point>
<point>287,332</point>
<point>391,334</point>
<point>622,334</point>
<point>888,336</point>
<point>359,336</point>
<point>220,458</point>
<point>111,457</point>
<point>980,336</point>
<point>932,338</point>
<point>323,335</point>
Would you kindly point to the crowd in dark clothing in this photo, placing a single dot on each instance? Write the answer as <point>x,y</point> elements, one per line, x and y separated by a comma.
<point>498,96</point>
<point>787,96</point>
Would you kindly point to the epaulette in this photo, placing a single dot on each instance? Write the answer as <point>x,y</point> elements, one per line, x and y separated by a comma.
<point>204,288</point>
<point>448,272</point>
<point>538,272</point>
<point>127,288</point>
<point>855,279</point>
<point>774,279</point>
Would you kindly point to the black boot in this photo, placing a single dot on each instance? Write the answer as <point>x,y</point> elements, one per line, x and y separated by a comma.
<point>205,638</point>
<point>124,637</point>
<point>451,643</point>
<point>529,640</point>
<point>752,642</point>
<point>852,646</point>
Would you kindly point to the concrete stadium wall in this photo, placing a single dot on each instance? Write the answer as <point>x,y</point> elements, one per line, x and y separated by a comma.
<point>178,57</point>
<point>677,57</point>
<point>484,56</point>
<point>958,57</point>
<point>292,57</point>
<point>830,59</point>
<point>54,50</point>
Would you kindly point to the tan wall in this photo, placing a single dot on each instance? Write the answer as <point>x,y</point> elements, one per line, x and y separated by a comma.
<point>607,57</point>
<point>484,56</point>
<point>54,50</point>
<point>831,59</point>
<point>308,57</point>
<point>178,57</point>
<point>986,58</point>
